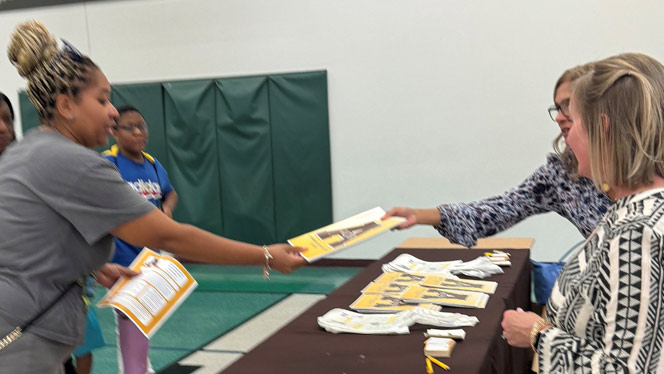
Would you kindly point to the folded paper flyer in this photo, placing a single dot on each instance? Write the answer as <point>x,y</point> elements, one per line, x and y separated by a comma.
<point>343,234</point>
<point>149,298</point>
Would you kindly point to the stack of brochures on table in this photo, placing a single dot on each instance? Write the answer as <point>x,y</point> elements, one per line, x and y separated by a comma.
<point>457,283</point>
<point>401,291</point>
<point>499,258</point>
<point>386,303</point>
<point>480,267</point>
<point>445,296</point>
<point>343,234</point>
<point>344,321</point>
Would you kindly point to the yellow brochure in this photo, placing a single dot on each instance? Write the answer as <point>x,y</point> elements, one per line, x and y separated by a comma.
<point>343,234</point>
<point>386,303</point>
<point>394,287</point>
<point>149,298</point>
<point>445,296</point>
<point>398,277</point>
<point>460,284</point>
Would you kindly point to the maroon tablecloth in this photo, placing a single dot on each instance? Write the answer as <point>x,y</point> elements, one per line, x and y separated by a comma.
<point>303,347</point>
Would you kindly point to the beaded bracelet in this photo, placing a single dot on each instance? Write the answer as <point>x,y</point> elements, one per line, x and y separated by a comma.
<point>266,267</point>
<point>538,326</point>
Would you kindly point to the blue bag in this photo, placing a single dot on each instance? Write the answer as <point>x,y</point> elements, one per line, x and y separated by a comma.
<point>545,275</point>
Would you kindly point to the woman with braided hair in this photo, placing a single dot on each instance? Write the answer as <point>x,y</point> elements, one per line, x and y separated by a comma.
<point>62,203</point>
<point>606,310</point>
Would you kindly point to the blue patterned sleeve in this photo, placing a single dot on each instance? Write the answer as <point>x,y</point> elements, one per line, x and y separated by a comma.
<point>464,223</point>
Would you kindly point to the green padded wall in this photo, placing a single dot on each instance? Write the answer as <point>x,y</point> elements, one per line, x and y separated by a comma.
<point>245,157</point>
<point>301,152</point>
<point>248,156</point>
<point>29,115</point>
<point>189,114</point>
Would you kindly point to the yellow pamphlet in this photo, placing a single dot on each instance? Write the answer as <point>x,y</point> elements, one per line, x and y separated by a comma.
<point>399,277</point>
<point>386,303</point>
<point>445,296</point>
<point>343,234</point>
<point>149,298</point>
<point>393,287</point>
<point>460,284</point>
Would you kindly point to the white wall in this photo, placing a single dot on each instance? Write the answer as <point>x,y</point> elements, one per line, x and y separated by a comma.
<point>430,100</point>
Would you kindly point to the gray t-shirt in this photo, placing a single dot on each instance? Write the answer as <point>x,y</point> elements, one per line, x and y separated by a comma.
<point>58,203</point>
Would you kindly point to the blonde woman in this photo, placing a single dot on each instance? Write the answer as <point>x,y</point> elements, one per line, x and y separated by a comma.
<point>62,203</point>
<point>606,308</point>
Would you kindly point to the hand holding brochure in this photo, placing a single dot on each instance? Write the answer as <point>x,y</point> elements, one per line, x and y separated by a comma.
<point>148,299</point>
<point>343,234</point>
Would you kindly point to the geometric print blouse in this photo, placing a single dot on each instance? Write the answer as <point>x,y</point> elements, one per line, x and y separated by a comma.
<point>548,189</point>
<point>607,306</point>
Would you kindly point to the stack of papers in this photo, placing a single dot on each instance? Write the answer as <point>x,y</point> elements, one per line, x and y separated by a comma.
<point>344,321</point>
<point>457,334</point>
<point>480,267</point>
<point>386,303</point>
<point>499,258</point>
<point>439,347</point>
<point>445,296</point>
<point>457,283</point>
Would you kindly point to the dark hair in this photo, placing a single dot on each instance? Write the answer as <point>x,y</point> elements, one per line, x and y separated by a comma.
<point>127,108</point>
<point>4,98</point>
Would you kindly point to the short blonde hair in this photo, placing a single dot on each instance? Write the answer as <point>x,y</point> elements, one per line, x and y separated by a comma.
<point>621,104</point>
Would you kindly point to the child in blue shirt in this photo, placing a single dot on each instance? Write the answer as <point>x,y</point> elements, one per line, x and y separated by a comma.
<point>149,179</point>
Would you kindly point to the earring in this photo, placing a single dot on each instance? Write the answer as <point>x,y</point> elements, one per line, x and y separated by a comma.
<point>605,187</point>
<point>71,118</point>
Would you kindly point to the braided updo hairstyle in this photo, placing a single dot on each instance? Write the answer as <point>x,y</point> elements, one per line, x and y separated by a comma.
<point>49,71</point>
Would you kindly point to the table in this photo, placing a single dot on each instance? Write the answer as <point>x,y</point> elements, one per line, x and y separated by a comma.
<point>303,347</point>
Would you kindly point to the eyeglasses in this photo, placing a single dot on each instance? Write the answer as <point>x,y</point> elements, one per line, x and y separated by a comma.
<point>131,127</point>
<point>562,109</point>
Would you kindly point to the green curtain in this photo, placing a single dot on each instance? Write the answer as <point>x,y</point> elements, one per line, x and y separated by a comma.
<point>29,115</point>
<point>301,152</point>
<point>245,154</point>
<point>248,156</point>
<point>189,114</point>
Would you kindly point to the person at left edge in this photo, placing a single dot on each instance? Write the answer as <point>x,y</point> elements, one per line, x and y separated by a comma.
<point>62,203</point>
<point>7,135</point>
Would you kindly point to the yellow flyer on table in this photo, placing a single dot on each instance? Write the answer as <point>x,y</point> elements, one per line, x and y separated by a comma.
<point>445,296</point>
<point>343,234</point>
<point>459,284</point>
<point>386,303</point>
<point>148,299</point>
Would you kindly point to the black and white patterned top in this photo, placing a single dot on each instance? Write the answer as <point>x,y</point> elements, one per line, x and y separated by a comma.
<point>548,189</point>
<point>607,305</point>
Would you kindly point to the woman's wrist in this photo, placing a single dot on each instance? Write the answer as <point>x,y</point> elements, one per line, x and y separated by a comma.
<point>427,216</point>
<point>266,266</point>
<point>539,326</point>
